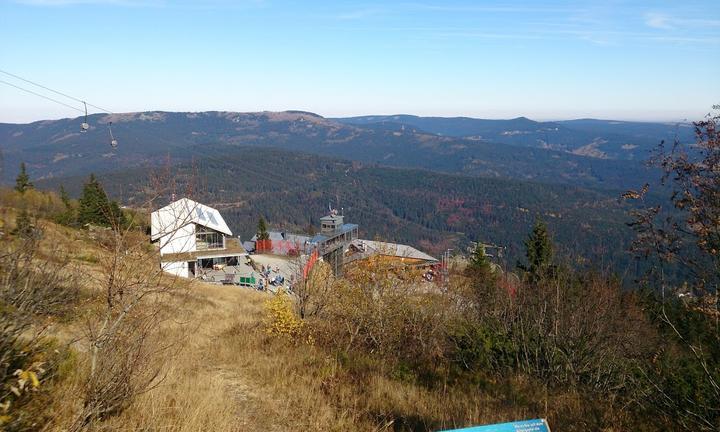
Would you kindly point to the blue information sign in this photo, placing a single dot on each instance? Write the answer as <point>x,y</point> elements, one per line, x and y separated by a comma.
<point>537,425</point>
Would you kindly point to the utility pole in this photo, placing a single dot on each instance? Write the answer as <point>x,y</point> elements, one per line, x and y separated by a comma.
<point>446,270</point>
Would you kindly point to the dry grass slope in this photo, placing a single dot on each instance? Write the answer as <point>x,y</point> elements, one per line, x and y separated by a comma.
<point>225,373</point>
<point>223,370</point>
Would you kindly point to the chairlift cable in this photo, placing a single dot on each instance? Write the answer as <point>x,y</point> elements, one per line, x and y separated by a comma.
<point>42,96</point>
<point>264,175</point>
<point>84,126</point>
<point>54,91</point>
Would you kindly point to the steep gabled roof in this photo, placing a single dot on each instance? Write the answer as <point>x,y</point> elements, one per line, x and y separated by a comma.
<point>182,212</point>
<point>272,235</point>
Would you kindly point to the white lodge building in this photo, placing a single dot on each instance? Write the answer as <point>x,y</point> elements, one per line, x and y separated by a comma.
<point>192,236</point>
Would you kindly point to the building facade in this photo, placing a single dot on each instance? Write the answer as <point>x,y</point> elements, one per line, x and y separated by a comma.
<point>192,236</point>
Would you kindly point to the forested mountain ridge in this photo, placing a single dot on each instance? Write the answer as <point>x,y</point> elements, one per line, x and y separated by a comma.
<point>605,139</point>
<point>56,148</point>
<point>430,210</point>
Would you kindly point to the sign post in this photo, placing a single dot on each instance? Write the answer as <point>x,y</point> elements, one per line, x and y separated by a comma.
<point>536,425</point>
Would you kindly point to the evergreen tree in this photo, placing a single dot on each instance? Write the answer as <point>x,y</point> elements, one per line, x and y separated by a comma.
<point>68,216</point>
<point>262,233</point>
<point>479,261</point>
<point>95,207</point>
<point>64,197</point>
<point>22,181</point>
<point>23,225</point>
<point>117,214</point>
<point>539,253</point>
<point>483,277</point>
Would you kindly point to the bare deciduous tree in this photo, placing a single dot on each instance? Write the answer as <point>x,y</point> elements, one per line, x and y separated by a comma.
<point>125,348</point>
<point>686,237</point>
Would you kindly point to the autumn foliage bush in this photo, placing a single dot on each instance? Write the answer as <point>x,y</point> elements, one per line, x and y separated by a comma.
<point>382,313</point>
<point>281,320</point>
<point>577,336</point>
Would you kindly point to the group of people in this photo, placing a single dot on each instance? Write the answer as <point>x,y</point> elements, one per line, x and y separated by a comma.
<point>266,279</point>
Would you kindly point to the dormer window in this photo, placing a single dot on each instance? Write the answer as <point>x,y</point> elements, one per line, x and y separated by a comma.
<point>207,238</point>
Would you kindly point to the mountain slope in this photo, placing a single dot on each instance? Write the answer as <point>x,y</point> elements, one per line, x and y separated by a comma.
<point>57,148</point>
<point>596,138</point>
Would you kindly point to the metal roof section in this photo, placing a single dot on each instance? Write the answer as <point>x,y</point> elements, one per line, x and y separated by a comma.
<point>370,247</point>
<point>318,238</point>
<point>281,235</point>
<point>349,227</point>
<point>182,212</point>
<point>296,238</point>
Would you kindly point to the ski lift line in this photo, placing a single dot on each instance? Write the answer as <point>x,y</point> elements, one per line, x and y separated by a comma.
<point>84,126</point>
<point>55,91</point>
<point>277,179</point>
<point>42,96</point>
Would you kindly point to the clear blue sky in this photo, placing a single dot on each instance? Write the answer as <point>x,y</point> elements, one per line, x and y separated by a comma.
<point>494,59</point>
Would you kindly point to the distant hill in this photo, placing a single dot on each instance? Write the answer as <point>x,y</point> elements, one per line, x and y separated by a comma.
<point>432,211</point>
<point>605,139</point>
<point>57,148</point>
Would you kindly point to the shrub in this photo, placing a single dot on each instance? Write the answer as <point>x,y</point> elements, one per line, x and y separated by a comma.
<point>477,347</point>
<point>32,292</point>
<point>35,365</point>
<point>384,314</point>
<point>281,319</point>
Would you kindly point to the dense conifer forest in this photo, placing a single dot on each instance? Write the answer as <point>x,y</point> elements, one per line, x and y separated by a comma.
<point>430,210</point>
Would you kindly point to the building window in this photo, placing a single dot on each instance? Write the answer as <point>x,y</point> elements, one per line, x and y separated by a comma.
<point>207,238</point>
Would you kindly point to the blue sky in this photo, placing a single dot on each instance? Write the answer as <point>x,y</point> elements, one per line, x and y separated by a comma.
<point>492,59</point>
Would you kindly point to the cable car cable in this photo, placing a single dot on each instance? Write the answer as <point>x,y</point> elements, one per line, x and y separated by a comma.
<point>54,91</point>
<point>42,96</point>
<point>84,126</point>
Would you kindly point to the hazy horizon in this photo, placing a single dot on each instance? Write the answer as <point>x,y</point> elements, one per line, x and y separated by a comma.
<point>388,114</point>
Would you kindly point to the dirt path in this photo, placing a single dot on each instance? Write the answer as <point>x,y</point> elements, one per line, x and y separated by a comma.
<point>204,388</point>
